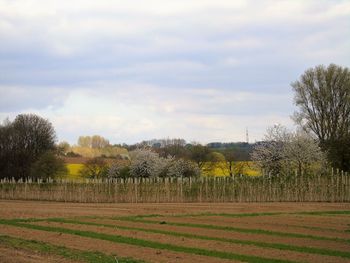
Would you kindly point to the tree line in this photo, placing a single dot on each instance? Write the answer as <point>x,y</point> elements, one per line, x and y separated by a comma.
<point>322,96</point>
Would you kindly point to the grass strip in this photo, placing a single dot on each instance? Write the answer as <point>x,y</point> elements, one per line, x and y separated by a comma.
<point>239,215</point>
<point>317,213</point>
<point>73,254</point>
<point>146,243</point>
<point>311,250</point>
<point>250,215</point>
<point>233,229</point>
<point>230,215</point>
<point>340,212</point>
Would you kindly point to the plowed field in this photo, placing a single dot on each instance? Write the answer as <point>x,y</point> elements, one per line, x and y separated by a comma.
<point>251,232</point>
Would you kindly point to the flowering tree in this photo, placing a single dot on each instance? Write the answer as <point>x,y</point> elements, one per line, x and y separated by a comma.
<point>302,151</point>
<point>268,155</point>
<point>183,168</point>
<point>146,163</point>
<point>282,151</point>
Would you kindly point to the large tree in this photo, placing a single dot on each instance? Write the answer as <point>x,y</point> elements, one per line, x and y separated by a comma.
<point>323,97</point>
<point>199,154</point>
<point>22,142</point>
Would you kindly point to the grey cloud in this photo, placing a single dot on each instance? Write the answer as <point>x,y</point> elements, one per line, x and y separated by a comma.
<point>156,54</point>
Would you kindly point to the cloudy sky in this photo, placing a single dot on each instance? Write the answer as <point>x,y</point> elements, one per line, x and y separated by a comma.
<point>201,70</point>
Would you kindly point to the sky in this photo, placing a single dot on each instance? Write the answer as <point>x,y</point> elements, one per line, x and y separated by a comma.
<point>202,70</point>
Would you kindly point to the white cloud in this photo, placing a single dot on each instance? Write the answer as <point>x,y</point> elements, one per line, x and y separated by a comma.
<point>133,70</point>
<point>123,112</point>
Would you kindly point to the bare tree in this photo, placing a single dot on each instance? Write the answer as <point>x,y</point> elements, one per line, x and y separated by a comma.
<point>323,97</point>
<point>95,141</point>
<point>99,142</point>
<point>84,141</point>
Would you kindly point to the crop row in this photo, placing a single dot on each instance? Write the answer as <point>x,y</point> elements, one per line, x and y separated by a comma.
<point>36,224</point>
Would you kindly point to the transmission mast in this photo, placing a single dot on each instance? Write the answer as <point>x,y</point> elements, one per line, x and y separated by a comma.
<point>246,135</point>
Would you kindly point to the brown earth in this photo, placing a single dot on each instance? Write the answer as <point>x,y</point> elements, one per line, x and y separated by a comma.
<point>122,250</point>
<point>40,209</point>
<point>253,223</point>
<point>10,255</point>
<point>35,209</point>
<point>301,221</point>
<point>233,235</point>
<point>204,244</point>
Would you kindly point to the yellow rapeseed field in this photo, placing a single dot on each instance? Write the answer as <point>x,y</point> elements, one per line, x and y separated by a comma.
<point>217,169</point>
<point>74,170</point>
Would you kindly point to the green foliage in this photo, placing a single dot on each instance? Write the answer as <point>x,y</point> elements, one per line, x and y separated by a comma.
<point>48,166</point>
<point>22,142</point>
<point>199,154</point>
<point>95,168</point>
<point>322,95</point>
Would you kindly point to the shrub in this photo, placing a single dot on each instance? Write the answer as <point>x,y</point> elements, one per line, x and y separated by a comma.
<point>48,166</point>
<point>95,168</point>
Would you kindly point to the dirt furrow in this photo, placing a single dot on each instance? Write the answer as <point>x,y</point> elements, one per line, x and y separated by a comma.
<point>11,255</point>
<point>273,224</point>
<point>231,235</point>
<point>204,244</point>
<point>280,220</point>
<point>122,250</point>
<point>26,209</point>
<point>232,222</point>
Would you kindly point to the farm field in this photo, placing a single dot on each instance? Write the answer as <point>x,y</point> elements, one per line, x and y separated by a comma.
<point>218,169</point>
<point>36,231</point>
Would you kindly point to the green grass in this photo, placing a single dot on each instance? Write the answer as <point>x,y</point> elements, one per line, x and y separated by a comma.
<point>73,254</point>
<point>145,243</point>
<point>231,215</point>
<point>320,213</point>
<point>268,214</point>
<point>233,229</point>
<point>341,212</point>
<point>279,246</point>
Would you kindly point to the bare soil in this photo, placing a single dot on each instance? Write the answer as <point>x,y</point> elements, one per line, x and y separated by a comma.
<point>281,223</point>
<point>332,224</point>
<point>40,209</point>
<point>10,255</point>
<point>274,224</point>
<point>122,250</point>
<point>205,244</point>
<point>233,235</point>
